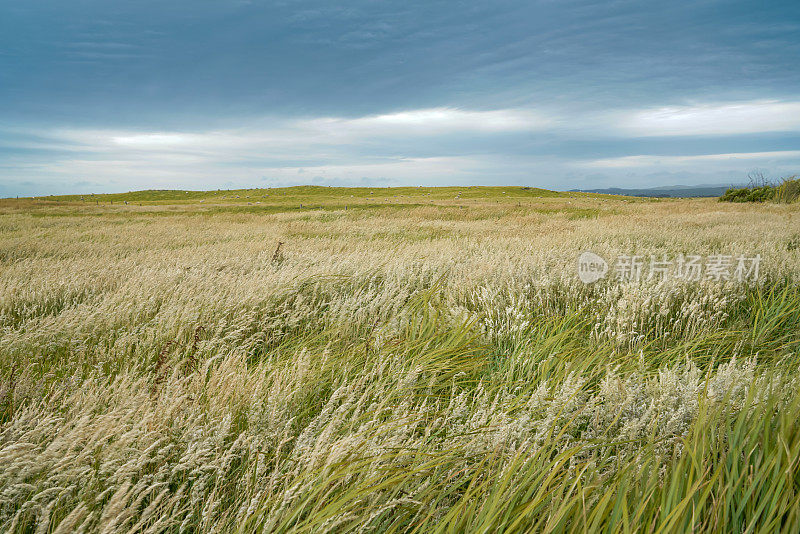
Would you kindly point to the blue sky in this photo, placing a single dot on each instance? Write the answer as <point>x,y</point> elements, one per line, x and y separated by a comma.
<point>102,96</point>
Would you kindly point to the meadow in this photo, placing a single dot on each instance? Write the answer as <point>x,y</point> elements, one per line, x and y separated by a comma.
<point>394,360</point>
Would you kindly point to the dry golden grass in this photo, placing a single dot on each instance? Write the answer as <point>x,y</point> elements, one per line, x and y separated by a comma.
<point>410,363</point>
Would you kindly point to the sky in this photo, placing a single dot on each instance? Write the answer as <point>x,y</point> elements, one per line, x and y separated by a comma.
<point>111,96</point>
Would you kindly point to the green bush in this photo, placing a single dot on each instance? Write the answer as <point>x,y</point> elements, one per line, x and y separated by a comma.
<point>788,191</point>
<point>747,194</point>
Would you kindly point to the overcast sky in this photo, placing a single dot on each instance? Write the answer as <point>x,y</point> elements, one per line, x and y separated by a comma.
<point>106,96</point>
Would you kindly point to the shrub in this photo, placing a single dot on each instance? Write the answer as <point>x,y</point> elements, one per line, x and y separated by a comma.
<point>761,190</point>
<point>748,194</point>
<point>788,191</point>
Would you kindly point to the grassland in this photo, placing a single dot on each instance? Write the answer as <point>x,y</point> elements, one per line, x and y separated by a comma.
<point>408,360</point>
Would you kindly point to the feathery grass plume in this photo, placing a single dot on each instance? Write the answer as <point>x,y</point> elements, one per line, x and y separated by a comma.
<point>423,368</point>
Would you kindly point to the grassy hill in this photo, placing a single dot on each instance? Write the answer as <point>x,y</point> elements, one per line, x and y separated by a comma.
<point>446,200</point>
<point>316,194</point>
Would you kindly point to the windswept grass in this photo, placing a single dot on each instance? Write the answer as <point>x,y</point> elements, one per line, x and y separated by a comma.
<point>415,369</point>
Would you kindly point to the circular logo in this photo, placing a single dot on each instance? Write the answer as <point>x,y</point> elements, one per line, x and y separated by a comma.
<point>591,267</point>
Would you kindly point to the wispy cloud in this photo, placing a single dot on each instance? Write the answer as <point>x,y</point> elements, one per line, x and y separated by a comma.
<point>272,152</point>
<point>292,137</point>
<point>435,121</point>
<point>714,119</point>
<point>668,161</point>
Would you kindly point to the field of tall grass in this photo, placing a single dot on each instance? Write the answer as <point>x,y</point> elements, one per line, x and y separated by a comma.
<point>406,360</point>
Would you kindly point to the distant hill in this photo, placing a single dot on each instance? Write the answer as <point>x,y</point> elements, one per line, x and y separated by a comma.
<point>667,191</point>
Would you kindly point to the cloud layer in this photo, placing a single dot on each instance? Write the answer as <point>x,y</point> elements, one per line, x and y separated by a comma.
<point>444,146</point>
<point>111,96</point>
<point>716,119</point>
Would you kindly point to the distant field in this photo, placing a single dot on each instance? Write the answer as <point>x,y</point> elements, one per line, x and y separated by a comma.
<point>309,196</point>
<point>319,359</point>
